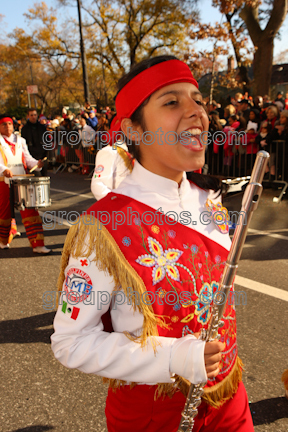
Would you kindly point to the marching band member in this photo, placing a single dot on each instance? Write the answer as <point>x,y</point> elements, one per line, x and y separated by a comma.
<point>112,165</point>
<point>148,267</point>
<point>14,158</point>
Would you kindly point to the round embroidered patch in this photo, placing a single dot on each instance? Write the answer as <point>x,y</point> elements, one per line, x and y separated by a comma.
<point>77,285</point>
<point>99,169</point>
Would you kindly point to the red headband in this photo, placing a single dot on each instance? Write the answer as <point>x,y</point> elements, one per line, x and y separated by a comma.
<point>6,119</point>
<point>136,91</point>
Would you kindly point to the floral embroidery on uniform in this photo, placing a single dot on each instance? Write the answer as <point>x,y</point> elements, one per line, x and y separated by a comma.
<point>220,216</point>
<point>126,241</point>
<point>137,221</point>
<point>171,234</point>
<point>162,261</point>
<point>186,330</point>
<point>194,249</point>
<point>217,259</point>
<point>206,294</point>
<point>155,229</point>
<point>161,292</point>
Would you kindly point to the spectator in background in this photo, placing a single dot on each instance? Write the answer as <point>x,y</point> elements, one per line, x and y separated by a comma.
<point>279,101</point>
<point>244,109</point>
<point>265,129</point>
<point>87,136</point>
<point>42,119</point>
<point>33,133</point>
<point>233,123</point>
<point>258,103</point>
<point>286,102</point>
<point>229,111</point>
<point>279,132</point>
<point>254,118</point>
<point>212,107</point>
<point>110,117</point>
<point>272,114</point>
<point>266,101</point>
<point>88,107</point>
<point>87,133</point>
<point>91,119</point>
<point>102,124</point>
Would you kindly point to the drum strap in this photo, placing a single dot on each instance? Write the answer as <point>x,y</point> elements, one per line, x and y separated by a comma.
<point>12,145</point>
<point>3,155</point>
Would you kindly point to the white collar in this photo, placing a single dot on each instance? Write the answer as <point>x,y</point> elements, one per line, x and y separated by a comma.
<point>12,138</point>
<point>158,184</point>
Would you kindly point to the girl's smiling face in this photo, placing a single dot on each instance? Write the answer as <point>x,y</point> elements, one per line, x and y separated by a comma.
<point>175,108</point>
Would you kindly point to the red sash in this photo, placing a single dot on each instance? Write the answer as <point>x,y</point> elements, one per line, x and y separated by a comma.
<point>180,268</point>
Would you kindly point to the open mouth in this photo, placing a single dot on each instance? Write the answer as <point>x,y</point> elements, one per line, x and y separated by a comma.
<point>191,139</point>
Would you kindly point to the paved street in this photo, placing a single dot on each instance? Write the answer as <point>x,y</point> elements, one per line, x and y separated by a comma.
<point>39,394</point>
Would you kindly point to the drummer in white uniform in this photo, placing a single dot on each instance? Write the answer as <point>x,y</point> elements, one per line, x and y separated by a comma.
<point>14,159</point>
<point>112,165</point>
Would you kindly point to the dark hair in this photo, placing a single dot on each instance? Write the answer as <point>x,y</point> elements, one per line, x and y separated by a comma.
<point>5,115</point>
<point>203,181</point>
<point>31,109</point>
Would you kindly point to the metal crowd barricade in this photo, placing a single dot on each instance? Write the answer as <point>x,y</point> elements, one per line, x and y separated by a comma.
<point>279,156</point>
<point>238,164</point>
<point>79,155</point>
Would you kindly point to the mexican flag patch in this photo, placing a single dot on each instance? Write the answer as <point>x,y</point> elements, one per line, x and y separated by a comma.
<point>70,310</point>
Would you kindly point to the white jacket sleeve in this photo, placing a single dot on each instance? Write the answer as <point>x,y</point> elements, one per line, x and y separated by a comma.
<point>2,165</point>
<point>30,161</point>
<point>102,179</point>
<point>83,344</point>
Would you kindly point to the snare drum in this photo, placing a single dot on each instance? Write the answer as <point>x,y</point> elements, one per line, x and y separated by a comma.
<point>31,192</point>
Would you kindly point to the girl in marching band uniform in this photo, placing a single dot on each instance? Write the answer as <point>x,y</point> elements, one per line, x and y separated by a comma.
<point>137,272</point>
<point>14,157</point>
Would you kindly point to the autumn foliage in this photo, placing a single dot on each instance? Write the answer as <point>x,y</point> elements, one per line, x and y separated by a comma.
<point>120,33</point>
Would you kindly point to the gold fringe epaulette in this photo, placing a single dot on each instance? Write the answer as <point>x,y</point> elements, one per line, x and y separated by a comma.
<point>82,240</point>
<point>128,161</point>
<point>85,239</point>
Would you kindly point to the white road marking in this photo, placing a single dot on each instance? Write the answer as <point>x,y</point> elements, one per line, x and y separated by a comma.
<point>267,233</point>
<point>91,196</point>
<point>262,288</point>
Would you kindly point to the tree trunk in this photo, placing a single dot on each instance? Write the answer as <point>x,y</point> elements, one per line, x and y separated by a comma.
<point>263,60</point>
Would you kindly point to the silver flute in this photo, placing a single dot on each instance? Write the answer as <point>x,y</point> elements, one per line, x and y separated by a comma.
<point>249,204</point>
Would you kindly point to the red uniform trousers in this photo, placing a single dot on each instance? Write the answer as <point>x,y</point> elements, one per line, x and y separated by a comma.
<point>131,410</point>
<point>30,218</point>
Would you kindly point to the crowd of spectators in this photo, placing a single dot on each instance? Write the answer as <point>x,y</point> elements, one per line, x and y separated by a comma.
<point>261,120</point>
<point>84,126</point>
